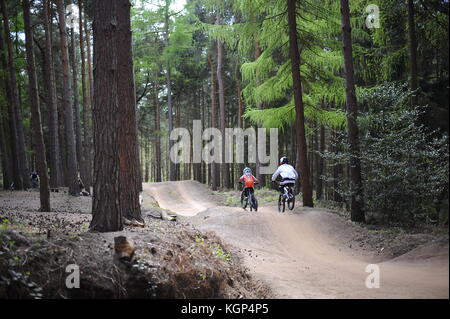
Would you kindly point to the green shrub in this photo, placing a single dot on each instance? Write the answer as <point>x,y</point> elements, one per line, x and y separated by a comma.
<point>404,164</point>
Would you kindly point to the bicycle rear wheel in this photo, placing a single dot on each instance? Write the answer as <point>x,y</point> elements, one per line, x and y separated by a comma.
<point>291,203</point>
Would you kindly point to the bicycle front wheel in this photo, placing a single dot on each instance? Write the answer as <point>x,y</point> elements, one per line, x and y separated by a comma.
<point>255,203</point>
<point>244,202</point>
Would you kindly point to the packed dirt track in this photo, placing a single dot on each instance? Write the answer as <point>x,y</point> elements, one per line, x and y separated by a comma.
<point>306,253</point>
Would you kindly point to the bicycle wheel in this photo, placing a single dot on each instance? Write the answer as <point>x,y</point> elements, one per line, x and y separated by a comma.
<point>255,203</point>
<point>281,204</point>
<point>244,202</point>
<point>291,203</point>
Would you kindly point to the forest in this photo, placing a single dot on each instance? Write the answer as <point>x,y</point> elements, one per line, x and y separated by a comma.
<point>96,98</point>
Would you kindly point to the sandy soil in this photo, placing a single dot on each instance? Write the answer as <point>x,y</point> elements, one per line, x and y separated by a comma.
<point>184,198</point>
<point>306,253</point>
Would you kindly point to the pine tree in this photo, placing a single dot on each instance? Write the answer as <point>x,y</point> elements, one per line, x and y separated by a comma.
<point>357,201</point>
<point>130,179</point>
<point>38,137</point>
<point>55,174</point>
<point>106,213</point>
<point>67,105</point>
<point>16,113</point>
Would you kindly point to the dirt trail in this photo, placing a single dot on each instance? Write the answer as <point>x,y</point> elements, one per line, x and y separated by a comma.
<point>298,255</point>
<point>184,198</point>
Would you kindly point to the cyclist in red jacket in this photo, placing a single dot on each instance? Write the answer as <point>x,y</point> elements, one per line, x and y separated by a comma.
<point>249,181</point>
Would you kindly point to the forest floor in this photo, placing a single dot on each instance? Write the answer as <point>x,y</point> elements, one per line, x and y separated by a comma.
<point>172,260</point>
<point>315,253</point>
<point>213,250</point>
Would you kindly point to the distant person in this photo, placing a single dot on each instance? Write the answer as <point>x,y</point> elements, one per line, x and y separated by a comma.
<point>82,190</point>
<point>34,178</point>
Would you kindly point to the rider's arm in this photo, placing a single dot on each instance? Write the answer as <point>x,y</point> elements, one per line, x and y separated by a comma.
<point>296,173</point>
<point>255,180</point>
<point>275,175</point>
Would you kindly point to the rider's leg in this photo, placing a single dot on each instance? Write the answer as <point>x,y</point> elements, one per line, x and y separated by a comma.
<point>291,188</point>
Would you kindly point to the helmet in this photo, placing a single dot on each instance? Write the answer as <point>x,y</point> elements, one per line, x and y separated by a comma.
<point>284,160</point>
<point>247,170</point>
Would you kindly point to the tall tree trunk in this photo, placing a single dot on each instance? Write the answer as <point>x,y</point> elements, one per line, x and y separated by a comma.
<point>221,87</point>
<point>240,120</point>
<point>302,157</point>
<point>130,176</point>
<point>311,157</point>
<point>320,164</point>
<point>55,174</point>
<point>157,130</point>
<point>5,154</point>
<point>414,82</point>
<point>36,113</point>
<point>172,168</point>
<point>147,161</point>
<point>196,167</point>
<point>89,69</point>
<point>15,102</point>
<point>106,213</point>
<point>76,106</point>
<point>204,120</point>
<point>68,108</point>
<point>178,124</point>
<point>213,171</point>
<point>357,201</point>
<point>12,149</point>
<point>259,106</point>
<point>87,134</point>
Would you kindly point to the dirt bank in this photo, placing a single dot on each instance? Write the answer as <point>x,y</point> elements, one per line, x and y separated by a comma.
<point>171,259</point>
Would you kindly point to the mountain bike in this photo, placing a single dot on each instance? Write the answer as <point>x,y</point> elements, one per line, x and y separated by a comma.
<point>249,200</point>
<point>286,196</point>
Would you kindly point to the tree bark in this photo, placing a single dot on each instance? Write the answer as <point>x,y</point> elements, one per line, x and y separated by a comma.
<point>38,136</point>
<point>106,213</point>
<point>221,87</point>
<point>24,181</point>
<point>68,108</point>
<point>87,134</point>
<point>90,74</point>
<point>55,174</point>
<point>130,176</point>
<point>260,107</point>
<point>76,106</point>
<point>10,149</point>
<point>214,172</point>
<point>320,163</point>
<point>5,154</point>
<point>157,130</point>
<point>172,168</point>
<point>357,201</point>
<point>302,156</point>
<point>414,82</point>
